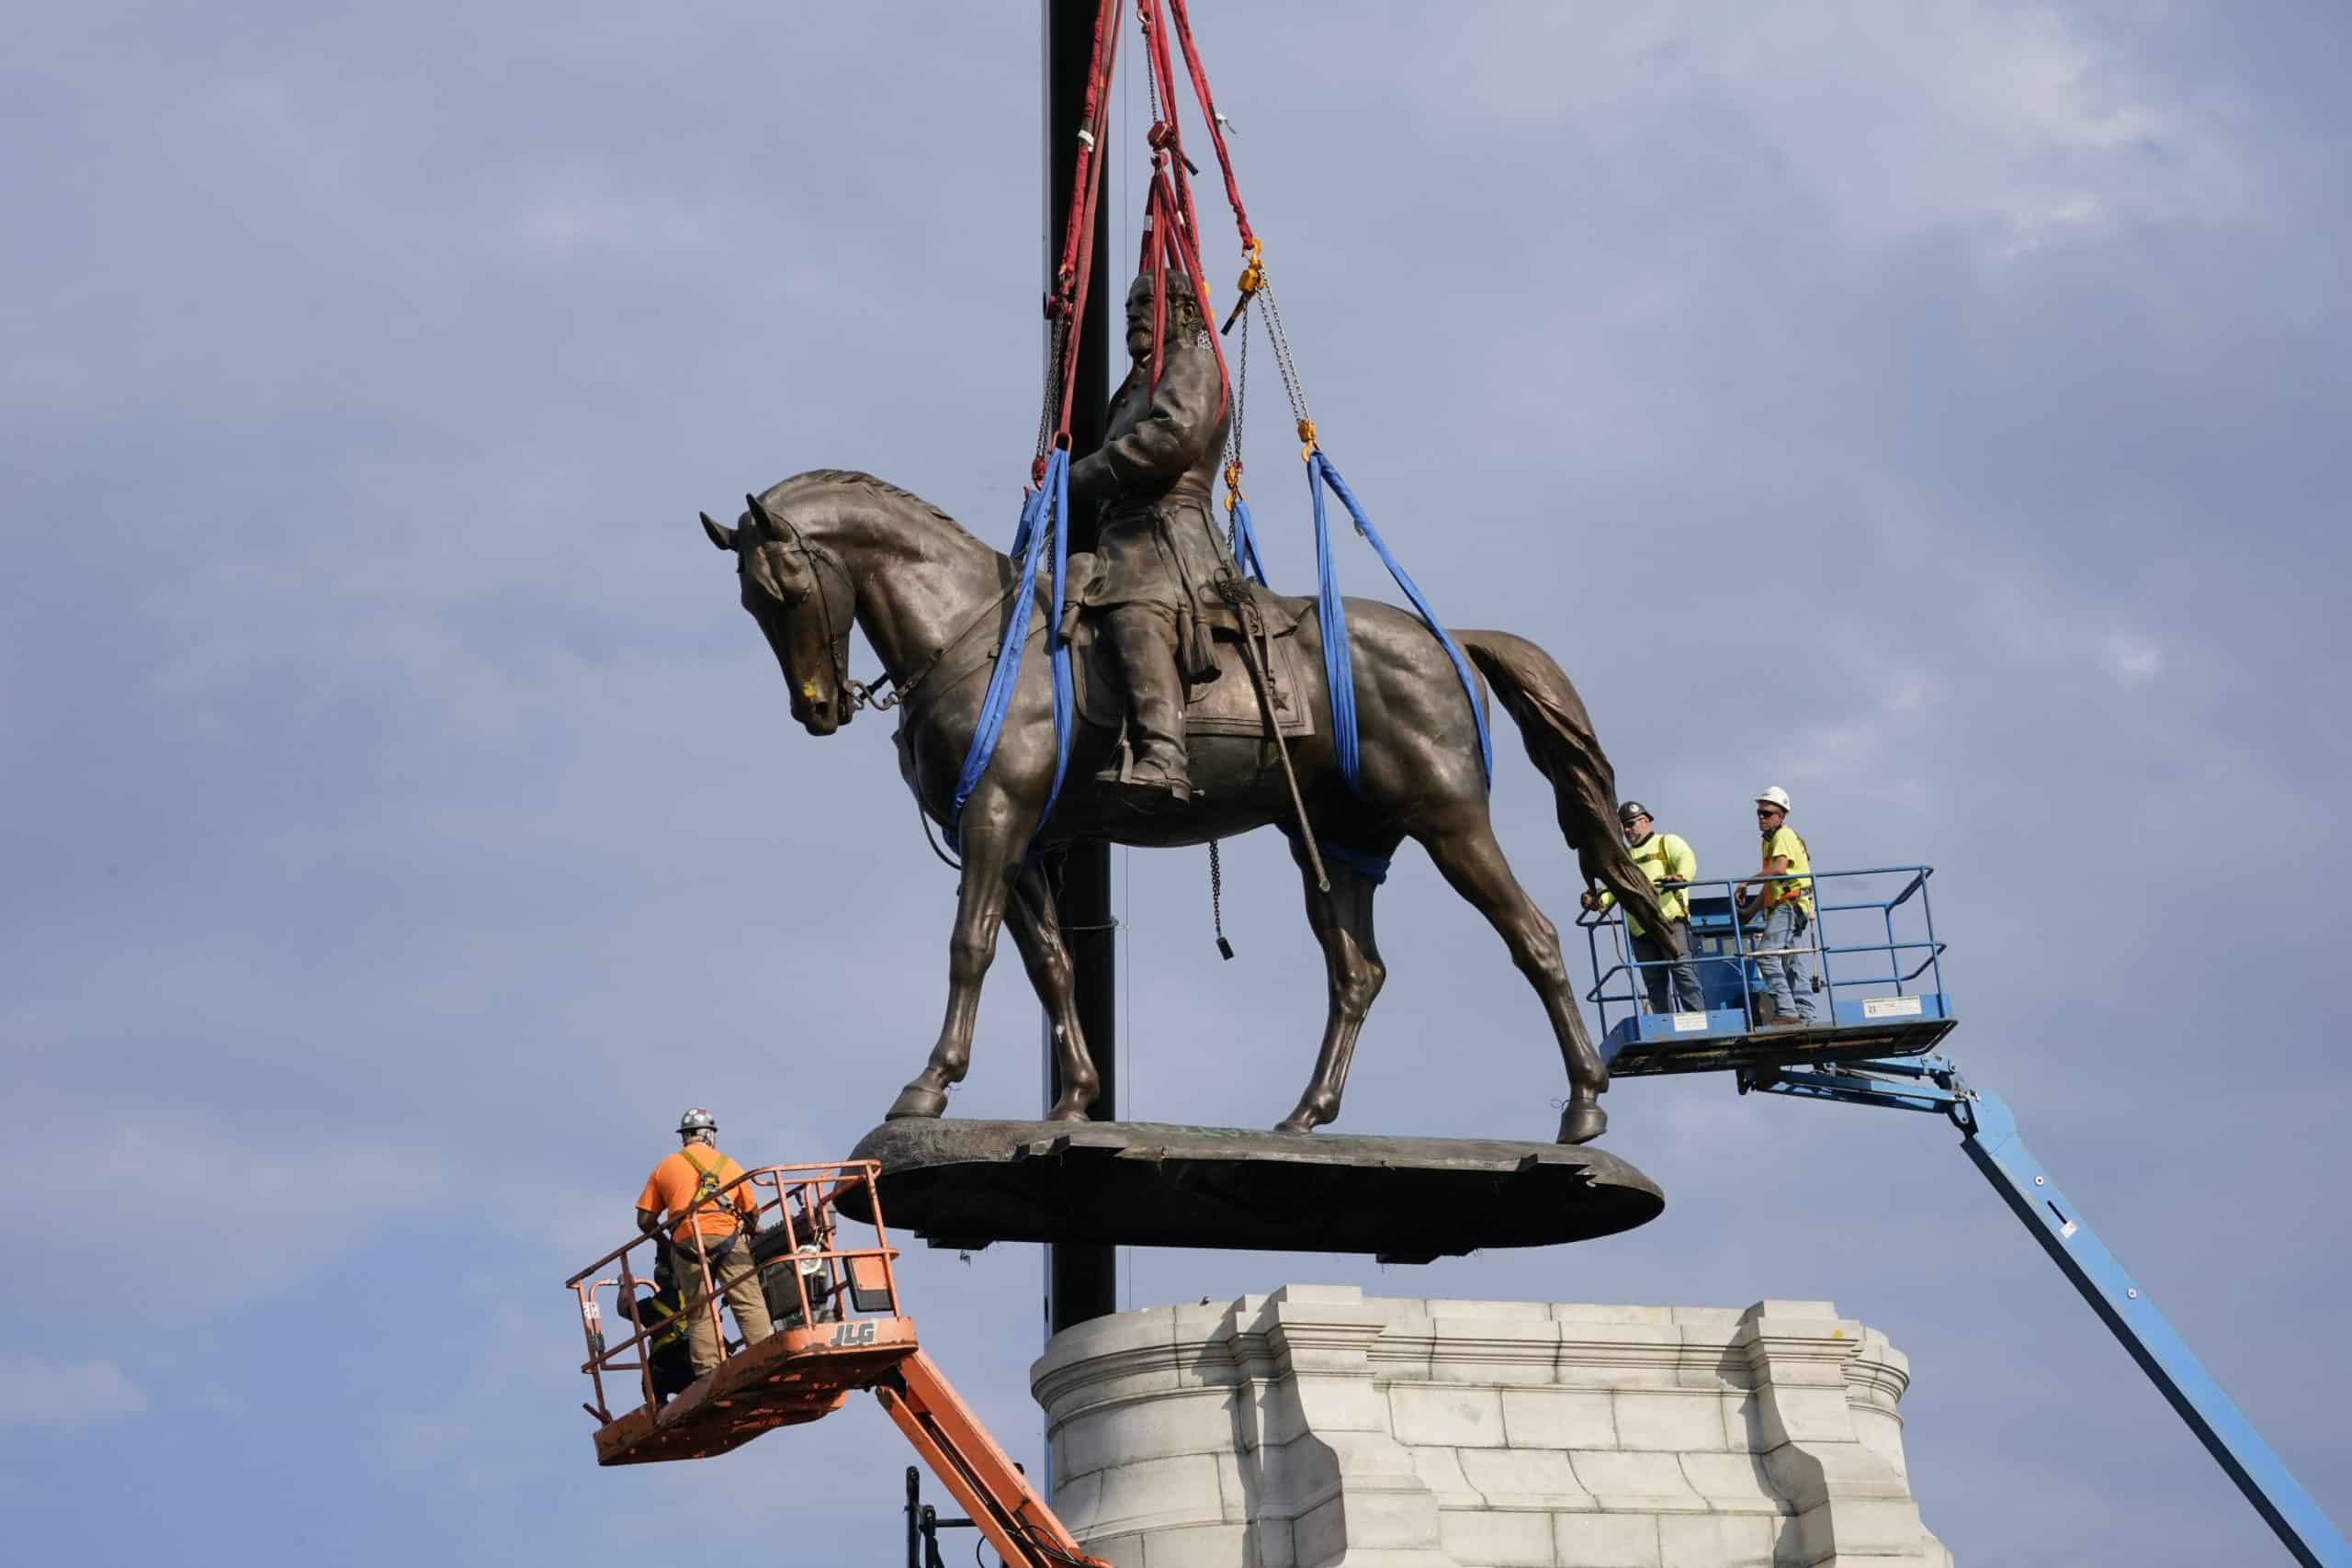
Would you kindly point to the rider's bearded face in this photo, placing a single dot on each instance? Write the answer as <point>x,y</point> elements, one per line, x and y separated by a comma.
<point>1139,314</point>
<point>1140,319</point>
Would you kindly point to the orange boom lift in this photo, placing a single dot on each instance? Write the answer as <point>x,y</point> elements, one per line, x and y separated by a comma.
<point>838,1329</point>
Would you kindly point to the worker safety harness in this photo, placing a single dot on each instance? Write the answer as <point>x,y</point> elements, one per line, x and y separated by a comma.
<point>1171,241</point>
<point>707,1190</point>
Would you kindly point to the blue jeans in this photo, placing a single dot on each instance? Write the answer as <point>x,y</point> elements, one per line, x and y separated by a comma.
<point>1790,979</point>
<point>1680,978</point>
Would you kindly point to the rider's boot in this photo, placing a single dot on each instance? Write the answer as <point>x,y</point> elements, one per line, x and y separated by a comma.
<point>1157,772</point>
<point>1156,725</point>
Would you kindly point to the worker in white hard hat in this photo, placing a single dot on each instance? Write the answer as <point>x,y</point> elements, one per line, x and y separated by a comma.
<point>712,1214</point>
<point>1668,861</point>
<point>1783,939</point>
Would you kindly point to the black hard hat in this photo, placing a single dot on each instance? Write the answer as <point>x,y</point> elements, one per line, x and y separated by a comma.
<point>1631,810</point>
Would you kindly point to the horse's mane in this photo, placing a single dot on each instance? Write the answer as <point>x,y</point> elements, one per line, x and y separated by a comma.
<point>854,479</point>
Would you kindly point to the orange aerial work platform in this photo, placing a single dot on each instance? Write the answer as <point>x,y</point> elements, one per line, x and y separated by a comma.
<point>838,1328</point>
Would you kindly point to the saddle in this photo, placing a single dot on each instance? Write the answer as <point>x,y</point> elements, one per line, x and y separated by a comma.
<point>1227,705</point>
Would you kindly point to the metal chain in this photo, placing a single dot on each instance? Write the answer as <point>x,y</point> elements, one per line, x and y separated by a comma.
<point>1150,76</point>
<point>1053,404</point>
<point>1292,386</point>
<point>1216,900</point>
<point>1233,443</point>
<point>1240,393</point>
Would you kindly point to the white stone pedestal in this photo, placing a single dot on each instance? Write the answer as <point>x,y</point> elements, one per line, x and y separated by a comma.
<point>1314,1428</point>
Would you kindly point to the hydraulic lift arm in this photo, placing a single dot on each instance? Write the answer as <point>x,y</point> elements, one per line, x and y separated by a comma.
<point>976,1472</point>
<point>1991,1140</point>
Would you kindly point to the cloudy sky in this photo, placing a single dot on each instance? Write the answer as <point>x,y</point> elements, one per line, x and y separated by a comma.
<point>1934,409</point>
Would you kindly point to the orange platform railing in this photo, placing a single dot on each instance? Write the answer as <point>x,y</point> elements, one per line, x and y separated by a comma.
<point>837,1327</point>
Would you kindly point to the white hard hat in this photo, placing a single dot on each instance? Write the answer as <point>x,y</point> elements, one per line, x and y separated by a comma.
<point>1776,796</point>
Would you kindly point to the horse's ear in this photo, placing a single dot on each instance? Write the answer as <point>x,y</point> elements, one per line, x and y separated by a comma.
<point>762,524</point>
<point>723,537</point>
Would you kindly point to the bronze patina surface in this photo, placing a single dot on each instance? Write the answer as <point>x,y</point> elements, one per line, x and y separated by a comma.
<point>966,1183</point>
<point>829,550</point>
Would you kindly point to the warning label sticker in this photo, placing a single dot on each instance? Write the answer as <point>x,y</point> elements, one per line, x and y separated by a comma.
<point>1891,1007</point>
<point>1684,1022</point>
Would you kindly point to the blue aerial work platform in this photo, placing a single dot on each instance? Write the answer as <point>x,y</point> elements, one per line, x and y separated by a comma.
<point>1882,1007</point>
<point>1873,947</point>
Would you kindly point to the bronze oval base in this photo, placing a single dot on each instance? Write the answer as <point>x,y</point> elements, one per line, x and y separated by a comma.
<point>969,1183</point>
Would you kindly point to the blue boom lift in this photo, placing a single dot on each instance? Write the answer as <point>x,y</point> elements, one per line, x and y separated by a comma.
<point>1883,1009</point>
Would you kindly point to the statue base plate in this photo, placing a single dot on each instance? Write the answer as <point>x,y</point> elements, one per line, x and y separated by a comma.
<point>969,1183</point>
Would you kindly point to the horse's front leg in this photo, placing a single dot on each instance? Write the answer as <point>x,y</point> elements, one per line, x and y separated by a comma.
<point>991,855</point>
<point>1038,932</point>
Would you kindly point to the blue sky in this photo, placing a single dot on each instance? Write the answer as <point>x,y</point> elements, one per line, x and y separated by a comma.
<point>1936,410</point>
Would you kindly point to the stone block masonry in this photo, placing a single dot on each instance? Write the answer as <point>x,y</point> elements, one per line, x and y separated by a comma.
<point>1316,1429</point>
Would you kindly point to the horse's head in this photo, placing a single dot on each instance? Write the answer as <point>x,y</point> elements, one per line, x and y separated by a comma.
<point>801,595</point>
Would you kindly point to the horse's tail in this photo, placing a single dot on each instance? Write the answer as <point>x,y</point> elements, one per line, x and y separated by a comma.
<point>1560,742</point>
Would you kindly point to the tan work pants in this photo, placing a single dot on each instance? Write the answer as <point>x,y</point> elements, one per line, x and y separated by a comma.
<point>737,1281</point>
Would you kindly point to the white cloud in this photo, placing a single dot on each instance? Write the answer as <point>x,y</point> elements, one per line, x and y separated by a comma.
<point>2014,124</point>
<point>270,1208</point>
<point>585,210</point>
<point>37,1391</point>
<point>1874,752</point>
<point>2130,658</point>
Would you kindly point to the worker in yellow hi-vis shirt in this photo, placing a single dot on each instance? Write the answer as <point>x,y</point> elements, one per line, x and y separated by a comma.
<point>1783,943</point>
<point>1667,861</point>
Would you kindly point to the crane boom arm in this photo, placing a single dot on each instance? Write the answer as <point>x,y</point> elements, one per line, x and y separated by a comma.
<point>1991,1141</point>
<point>976,1472</point>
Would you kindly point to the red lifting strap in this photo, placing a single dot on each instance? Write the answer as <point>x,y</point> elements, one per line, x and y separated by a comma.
<point>1171,226</point>
<point>1216,127</point>
<point>1068,300</point>
<point>1172,230</point>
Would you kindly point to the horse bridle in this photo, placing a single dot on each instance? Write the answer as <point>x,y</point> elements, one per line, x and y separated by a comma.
<point>856,692</point>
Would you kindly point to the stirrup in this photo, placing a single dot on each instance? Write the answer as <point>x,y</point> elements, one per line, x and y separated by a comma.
<point>1121,769</point>
<point>1150,794</point>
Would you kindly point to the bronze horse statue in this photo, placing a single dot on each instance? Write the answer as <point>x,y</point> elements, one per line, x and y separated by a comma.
<point>827,549</point>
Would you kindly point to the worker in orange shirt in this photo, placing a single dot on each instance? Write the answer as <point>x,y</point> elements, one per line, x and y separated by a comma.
<point>708,1227</point>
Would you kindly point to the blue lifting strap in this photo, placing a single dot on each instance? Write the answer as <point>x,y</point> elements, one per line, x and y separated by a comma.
<point>1331,615</point>
<point>1245,543</point>
<point>1045,511</point>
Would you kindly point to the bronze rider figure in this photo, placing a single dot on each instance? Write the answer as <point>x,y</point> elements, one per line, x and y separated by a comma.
<point>1160,547</point>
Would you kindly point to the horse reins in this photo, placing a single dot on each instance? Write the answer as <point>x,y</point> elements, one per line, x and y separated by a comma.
<point>902,690</point>
<point>859,694</point>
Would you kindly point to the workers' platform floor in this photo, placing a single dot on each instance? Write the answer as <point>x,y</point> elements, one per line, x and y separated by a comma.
<point>1714,1041</point>
<point>793,1376</point>
<point>967,1183</point>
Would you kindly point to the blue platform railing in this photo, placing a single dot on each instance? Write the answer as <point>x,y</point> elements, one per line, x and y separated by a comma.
<point>1890,968</point>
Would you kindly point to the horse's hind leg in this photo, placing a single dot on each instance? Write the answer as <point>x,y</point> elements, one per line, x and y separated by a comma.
<point>1038,932</point>
<point>1472,862</point>
<point>989,860</point>
<point>1342,924</point>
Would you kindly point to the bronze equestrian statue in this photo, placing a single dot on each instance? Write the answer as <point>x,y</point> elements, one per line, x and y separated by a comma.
<point>825,549</point>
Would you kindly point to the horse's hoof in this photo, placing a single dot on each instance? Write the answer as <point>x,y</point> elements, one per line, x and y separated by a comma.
<point>1582,1121</point>
<point>1311,1113</point>
<point>916,1101</point>
<point>1069,1110</point>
